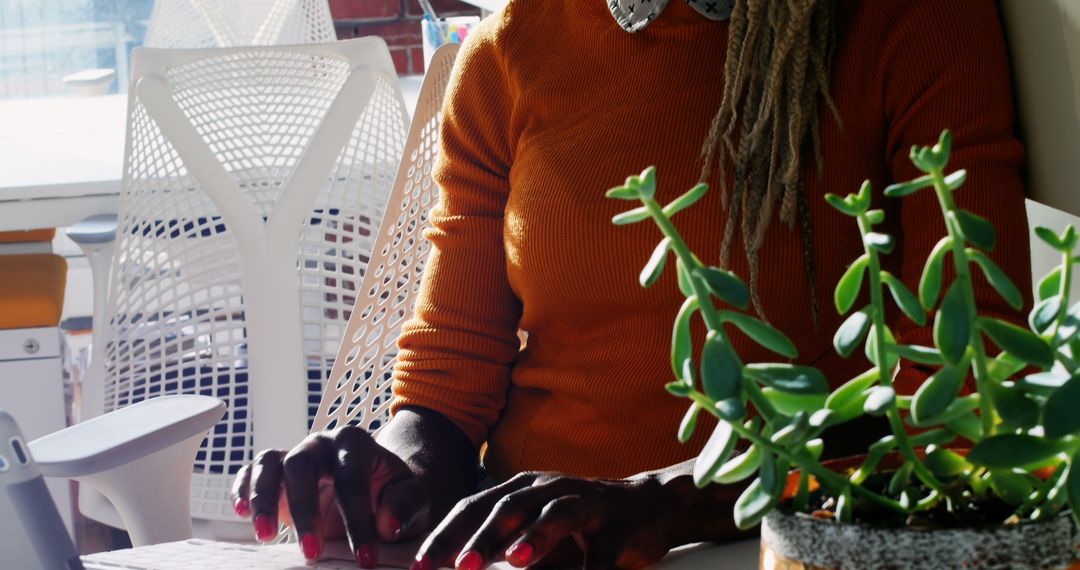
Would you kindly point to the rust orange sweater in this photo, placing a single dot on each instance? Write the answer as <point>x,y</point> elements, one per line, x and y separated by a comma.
<point>552,103</point>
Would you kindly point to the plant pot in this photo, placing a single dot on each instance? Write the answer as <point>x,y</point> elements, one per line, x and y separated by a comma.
<point>800,542</point>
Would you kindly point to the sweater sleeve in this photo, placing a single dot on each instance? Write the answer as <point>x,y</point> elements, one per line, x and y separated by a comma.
<point>456,352</point>
<point>944,65</point>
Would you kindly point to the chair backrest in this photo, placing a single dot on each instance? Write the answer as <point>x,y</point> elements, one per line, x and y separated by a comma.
<point>231,23</point>
<point>358,391</point>
<point>253,182</point>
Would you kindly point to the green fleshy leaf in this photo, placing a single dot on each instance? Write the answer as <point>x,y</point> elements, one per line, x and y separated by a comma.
<point>1010,450</point>
<point>689,422</point>
<point>1019,342</point>
<point>880,242</point>
<point>874,455</point>
<point>849,285</point>
<point>686,200</point>
<point>954,410</point>
<point>1050,380</point>
<point>997,278</point>
<point>852,332</point>
<point>1044,314</point>
<point>907,188</point>
<point>943,149</point>
<point>875,217</point>
<point>795,432</point>
<point>930,283</point>
<point>631,216</point>
<point>952,325</point>
<point>688,375</point>
<point>932,437</point>
<point>937,393</point>
<point>655,265</point>
<point>879,401</point>
<point>871,348</point>
<point>900,478</point>
<point>916,353</point>
<point>739,467</point>
<point>721,371</point>
<point>944,463</point>
<point>845,507</point>
<point>789,404</point>
<point>1061,416</point>
<point>684,279</point>
<point>681,338</point>
<point>955,180</point>
<point>791,378</point>
<point>1050,284</point>
<point>1051,238</point>
<point>975,229</point>
<point>752,505</point>
<point>1004,366</point>
<point>623,193</point>
<point>725,285</point>
<point>679,388</point>
<point>647,182</point>
<point>904,298</point>
<point>769,474</point>
<point>731,409</point>
<point>1069,330</point>
<point>1010,486</point>
<point>840,204</point>
<point>1013,405</point>
<point>716,451</point>
<point>762,333</point>
<point>967,426</point>
<point>847,400</point>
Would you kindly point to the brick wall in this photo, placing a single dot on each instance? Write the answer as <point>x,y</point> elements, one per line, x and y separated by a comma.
<point>397,21</point>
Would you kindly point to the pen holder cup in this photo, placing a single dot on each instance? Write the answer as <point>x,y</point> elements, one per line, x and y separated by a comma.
<point>441,31</point>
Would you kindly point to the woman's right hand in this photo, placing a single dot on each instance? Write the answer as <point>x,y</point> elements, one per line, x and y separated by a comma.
<point>376,495</point>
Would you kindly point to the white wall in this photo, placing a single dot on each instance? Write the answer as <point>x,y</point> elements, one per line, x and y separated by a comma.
<point>1044,38</point>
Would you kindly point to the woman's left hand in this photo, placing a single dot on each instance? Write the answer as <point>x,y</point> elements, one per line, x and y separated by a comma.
<point>616,524</point>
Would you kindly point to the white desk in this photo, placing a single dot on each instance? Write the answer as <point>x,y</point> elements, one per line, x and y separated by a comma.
<point>61,159</point>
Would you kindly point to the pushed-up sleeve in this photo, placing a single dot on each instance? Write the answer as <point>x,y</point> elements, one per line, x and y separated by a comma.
<point>456,352</point>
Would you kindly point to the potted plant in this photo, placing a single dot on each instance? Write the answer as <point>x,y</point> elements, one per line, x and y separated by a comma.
<point>982,480</point>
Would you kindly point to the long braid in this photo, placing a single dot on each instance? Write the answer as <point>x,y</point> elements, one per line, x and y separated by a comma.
<point>776,76</point>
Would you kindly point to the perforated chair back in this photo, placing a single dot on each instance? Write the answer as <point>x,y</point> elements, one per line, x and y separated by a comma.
<point>232,23</point>
<point>358,391</point>
<point>254,180</point>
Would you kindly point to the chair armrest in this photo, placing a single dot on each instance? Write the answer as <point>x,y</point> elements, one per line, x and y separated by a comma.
<point>125,435</point>
<point>93,230</point>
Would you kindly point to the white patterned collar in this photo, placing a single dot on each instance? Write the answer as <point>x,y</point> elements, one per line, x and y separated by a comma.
<point>634,15</point>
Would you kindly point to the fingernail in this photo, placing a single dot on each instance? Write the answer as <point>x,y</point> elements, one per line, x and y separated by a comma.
<point>395,525</point>
<point>242,507</point>
<point>422,563</point>
<point>309,543</point>
<point>264,528</point>
<point>520,554</point>
<point>471,560</point>
<point>365,556</point>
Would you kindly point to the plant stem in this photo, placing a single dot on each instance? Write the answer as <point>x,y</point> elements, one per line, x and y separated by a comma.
<point>1066,288</point>
<point>987,414</point>
<point>1040,495</point>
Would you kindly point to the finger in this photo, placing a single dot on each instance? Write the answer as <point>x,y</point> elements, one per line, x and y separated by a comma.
<point>263,493</point>
<point>302,469</point>
<point>239,492</point>
<point>557,521</point>
<point>352,485</point>
<point>403,510</point>
<point>444,544</point>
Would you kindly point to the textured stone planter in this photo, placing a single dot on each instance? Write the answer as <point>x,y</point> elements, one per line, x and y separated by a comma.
<point>800,542</point>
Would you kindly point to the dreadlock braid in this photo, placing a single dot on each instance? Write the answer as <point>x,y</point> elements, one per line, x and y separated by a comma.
<point>776,73</point>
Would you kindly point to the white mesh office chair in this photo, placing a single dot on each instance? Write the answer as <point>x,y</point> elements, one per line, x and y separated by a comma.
<point>254,178</point>
<point>231,23</point>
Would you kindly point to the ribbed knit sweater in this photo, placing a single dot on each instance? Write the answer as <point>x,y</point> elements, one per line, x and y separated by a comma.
<point>551,104</point>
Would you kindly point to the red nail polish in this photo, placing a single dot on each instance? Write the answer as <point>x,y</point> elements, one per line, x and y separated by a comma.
<point>242,507</point>
<point>471,560</point>
<point>520,554</point>
<point>265,530</point>
<point>422,563</point>
<point>365,556</point>
<point>309,543</point>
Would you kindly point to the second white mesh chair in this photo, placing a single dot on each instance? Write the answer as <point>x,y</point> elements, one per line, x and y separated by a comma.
<point>254,180</point>
<point>232,23</point>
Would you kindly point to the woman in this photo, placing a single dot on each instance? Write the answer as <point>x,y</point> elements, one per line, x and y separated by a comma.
<point>552,103</point>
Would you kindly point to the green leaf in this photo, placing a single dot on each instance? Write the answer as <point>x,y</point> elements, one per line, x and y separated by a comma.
<point>864,196</point>
<point>1050,284</point>
<point>725,285</point>
<point>880,242</point>
<point>1072,485</point>
<point>684,279</point>
<point>679,388</point>
<point>1004,366</point>
<point>847,289</point>
<point>791,378</point>
<point>752,505</point>
<point>907,188</point>
<point>721,371</point>
<point>769,474</point>
<point>647,182</point>
<point>681,337</point>
<point>874,455</point>
<point>916,353</point>
<point>975,229</point>
<point>967,426</point>
<point>1019,342</point>
<point>655,266</point>
<point>997,278</point>
<point>930,283</point>
<point>847,400</point>
<point>631,216</point>
<point>731,409</point>
<point>686,200</point>
<point>879,401</point>
<point>943,149</point>
<point>845,507</point>
<point>1011,450</point>
<point>1010,486</point>
<point>955,180</point>
<point>1061,416</point>
<point>875,217</point>
<point>846,207</point>
<point>762,333</point>
<point>716,451</point>
<point>689,422</point>
<point>891,360</point>
<point>794,432</point>
<point>739,467</point>
<point>1049,380</point>
<point>937,392</point>
<point>788,404</point>
<point>1051,238</point>
<point>932,437</point>
<point>1013,405</point>
<point>900,478</point>
<point>954,410</point>
<point>852,332</point>
<point>904,298</point>
<point>944,463</point>
<point>952,325</point>
<point>623,193</point>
